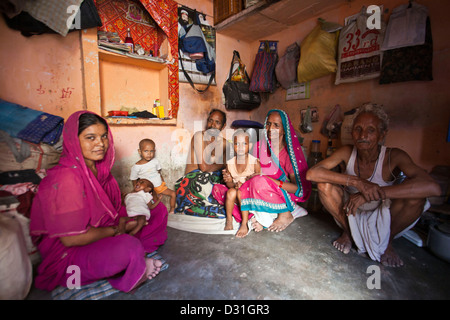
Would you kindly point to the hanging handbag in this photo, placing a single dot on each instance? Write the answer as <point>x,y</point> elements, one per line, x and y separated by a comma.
<point>237,93</point>
<point>263,75</point>
<point>194,44</point>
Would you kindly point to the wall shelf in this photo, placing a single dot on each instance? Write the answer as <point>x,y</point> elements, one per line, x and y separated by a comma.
<point>136,60</point>
<point>268,17</point>
<point>113,81</point>
<point>140,121</point>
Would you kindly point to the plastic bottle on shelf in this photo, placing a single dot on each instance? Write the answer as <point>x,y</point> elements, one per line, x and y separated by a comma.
<point>129,41</point>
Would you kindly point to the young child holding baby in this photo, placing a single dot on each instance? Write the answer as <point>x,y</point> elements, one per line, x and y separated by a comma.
<point>148,167</point>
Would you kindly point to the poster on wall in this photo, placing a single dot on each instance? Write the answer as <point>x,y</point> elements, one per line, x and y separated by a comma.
<point>298,91</point>
<point>199,66</point>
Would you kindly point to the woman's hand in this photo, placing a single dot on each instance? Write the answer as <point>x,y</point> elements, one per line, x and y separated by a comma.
<point>140,222</point>
<point>126,225</point>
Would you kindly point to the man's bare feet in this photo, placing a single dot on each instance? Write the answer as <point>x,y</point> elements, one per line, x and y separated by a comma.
<point>390,258</point>
<point>153,267</point>
<point>243,231</point>
<point>343,243</point>
<point>279,224</point>
<point>256,225</point>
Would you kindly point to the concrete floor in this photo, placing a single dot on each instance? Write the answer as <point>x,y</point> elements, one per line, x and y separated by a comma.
<point>299,263</point>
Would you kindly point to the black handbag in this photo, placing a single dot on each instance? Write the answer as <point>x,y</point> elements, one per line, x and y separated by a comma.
<point>237,93</point>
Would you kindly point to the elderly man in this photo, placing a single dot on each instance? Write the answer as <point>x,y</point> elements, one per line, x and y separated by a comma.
<point>206,159</point>
<point>365,201</point>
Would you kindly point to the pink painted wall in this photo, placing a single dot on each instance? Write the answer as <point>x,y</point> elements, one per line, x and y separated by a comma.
<point>419,110</point>
<point>46,73</point>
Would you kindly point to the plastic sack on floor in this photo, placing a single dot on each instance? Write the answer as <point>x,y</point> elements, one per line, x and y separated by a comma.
<point>15,265</point>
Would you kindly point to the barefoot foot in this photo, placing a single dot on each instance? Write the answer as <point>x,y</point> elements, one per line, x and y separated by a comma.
<point>279,224</point>
<point>343,243</point>
<point>390,258</point>
<point>153,267</point>
<point>256,225</point>
<point>228,224</point>
<point>243,231</point>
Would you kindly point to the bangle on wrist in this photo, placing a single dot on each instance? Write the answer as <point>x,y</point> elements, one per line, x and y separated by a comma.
<point>348,178</point>
<point>281,184</point>
<point>116,230</point>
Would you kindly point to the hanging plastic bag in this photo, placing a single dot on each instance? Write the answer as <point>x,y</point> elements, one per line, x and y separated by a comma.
<point>359,54</point>
<point>286,68</point>
<point>406,27</point>
<point>331,126</point>
<point>306,125</point>
<point>317,53</point>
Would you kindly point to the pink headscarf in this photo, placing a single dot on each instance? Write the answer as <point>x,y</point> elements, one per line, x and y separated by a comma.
<point>71,199</point>
<point>270,164</point>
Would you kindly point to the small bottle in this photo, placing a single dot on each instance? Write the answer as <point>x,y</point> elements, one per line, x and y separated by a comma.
<point>330,148</point>
<point>129,41</point>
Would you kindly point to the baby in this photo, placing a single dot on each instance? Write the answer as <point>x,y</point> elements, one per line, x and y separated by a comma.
<point>149,168</point>
<point>139,203</point>
<point>241,168</point>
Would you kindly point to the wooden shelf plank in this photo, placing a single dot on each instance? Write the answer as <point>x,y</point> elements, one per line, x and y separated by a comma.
<point>156,63</point>
<point>140,121</point>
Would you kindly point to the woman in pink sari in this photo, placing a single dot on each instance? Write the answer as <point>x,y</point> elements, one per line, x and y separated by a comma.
<point>272,198</point>
<point>77,218</point>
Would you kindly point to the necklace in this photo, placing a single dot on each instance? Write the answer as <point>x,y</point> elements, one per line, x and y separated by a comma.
<point>374,169</point>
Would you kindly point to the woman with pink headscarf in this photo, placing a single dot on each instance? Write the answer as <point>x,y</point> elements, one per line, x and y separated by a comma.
<point>77,218</point>
<point>272,198</point>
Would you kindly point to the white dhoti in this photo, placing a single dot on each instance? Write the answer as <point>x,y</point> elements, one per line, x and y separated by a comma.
<point>371,227</point>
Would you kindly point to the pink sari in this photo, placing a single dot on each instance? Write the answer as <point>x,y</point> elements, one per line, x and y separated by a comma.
<point>70,200</point>
<point>261,195</point>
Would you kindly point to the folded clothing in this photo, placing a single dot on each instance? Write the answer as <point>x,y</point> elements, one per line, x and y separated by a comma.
<point>29,124</point>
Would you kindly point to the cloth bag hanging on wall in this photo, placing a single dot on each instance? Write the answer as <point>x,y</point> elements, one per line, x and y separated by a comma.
<point>411,58</point>
<point>236,88</point>
<point>286,68</point>
<point>359,54</point>
<point>406,27</point>
<point>195,44</point>
<point>263,75</point>
<point>318,53</point>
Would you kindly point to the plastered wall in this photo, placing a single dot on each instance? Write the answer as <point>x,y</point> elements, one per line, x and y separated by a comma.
<point>46,73</point>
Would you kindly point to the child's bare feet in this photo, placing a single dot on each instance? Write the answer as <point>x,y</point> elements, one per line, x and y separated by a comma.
<point>229,224</point>
<point>243,231</point>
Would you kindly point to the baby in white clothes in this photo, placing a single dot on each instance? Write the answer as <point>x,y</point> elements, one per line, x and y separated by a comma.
<point>139,203</point>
